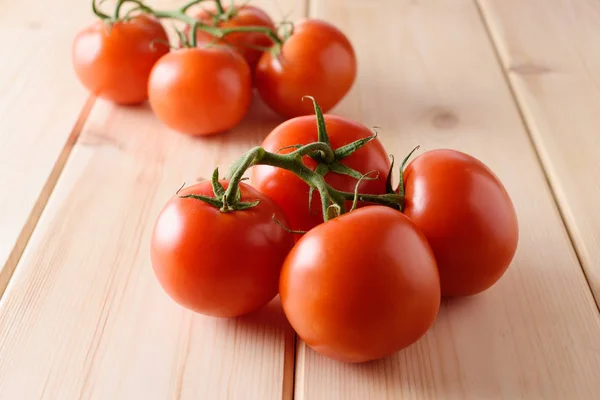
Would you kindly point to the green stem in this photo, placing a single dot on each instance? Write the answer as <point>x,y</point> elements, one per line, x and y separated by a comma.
<point>321,127</point>
<point>177,14</point>
<point>140,7</point>
<point>118,9</point>
<point>323,149</point>
<point>389,199</point>
<point>256,153</point>
<point>184,9</point>
<point>191,21</point>
<point>259,29</point>
<point>97,12</point>
<point>220,9</point>
<point>293,162</point>
<point>215,31</point>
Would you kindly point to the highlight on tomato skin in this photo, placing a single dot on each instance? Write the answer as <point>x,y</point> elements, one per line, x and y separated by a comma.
<point>467,216</point>
<point>114,61</point>
<point>361,286</point>
<point>222,264</point>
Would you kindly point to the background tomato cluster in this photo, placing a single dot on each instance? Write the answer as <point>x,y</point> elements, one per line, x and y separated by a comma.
<point>204,85</point>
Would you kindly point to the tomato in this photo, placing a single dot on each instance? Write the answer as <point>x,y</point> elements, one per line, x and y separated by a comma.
<point>291,193</point>
<point>316,60</point>
<point>361,286</point>
<point>215,263</point>
<point>245,43</point>
<point>467,216</point>
<point>200,91</point>
<point>114,62</point>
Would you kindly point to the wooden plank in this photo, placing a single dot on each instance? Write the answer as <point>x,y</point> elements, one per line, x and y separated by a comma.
<point>84,317</point>
<point>550,52</point>
<point>40,103</point>
<point>428,75</point>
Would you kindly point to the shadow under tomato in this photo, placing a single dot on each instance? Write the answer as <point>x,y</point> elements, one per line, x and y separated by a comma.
<point>256,125</point>
<point>439,365</point>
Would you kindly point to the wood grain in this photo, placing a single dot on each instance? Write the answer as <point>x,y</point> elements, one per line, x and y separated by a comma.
<point>40,103</point>
<point>429,75</point>
<point>550,52</point>
<point>83,315</point>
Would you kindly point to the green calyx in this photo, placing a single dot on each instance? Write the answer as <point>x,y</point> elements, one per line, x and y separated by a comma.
<point>333,201</point>
<point>401,190</point>
<point>331,162</point>
<point>222,201</point>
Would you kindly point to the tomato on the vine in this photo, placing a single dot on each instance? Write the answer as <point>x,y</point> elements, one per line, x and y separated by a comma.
<point>217,263</point>
<point>113,61</point>
<point>201,91</point>
<point>291,193</point>
<point>466,214</point>
<point>248,44</point>
<point>361,286</point>
<point>317,60</point>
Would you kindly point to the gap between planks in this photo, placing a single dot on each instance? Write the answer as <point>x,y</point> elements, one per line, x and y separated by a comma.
<point>14,257</point>
<point>527,127</point>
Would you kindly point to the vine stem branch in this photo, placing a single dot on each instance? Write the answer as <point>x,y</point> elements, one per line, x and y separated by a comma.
<point>293,162</point>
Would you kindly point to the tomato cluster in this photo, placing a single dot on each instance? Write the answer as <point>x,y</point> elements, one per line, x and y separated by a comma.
<point>205,86</point>
<point>360,266</point>
<point>364,280</point>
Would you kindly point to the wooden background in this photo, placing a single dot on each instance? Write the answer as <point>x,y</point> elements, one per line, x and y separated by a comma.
<point>515,83</point>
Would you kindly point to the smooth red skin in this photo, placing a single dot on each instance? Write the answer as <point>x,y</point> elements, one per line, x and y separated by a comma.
<point>361,286</point>
<point>291,193</point>
<point>466,214</point>
<point>243,42</point>
<point>115,63</point>
<point>200,91</point>
<point>317,60</point>
<point>219,264</point>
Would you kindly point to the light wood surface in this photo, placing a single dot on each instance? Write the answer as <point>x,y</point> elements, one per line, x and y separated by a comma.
<point>83,315</point>
<point>40,102</point>
<point>551,54</point>
<point>429,76</point>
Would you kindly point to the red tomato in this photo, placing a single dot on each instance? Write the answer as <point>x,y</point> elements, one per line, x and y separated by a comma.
<point>243,42</point>
<point>200,91</point>
<point>317,60</point>
<point>361,286</point>
<point>291,193</point>
<point>114,62</point>
<point>467,216</point>
<point>215,263</point>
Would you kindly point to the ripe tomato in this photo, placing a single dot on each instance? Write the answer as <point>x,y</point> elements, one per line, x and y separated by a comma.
<point>291,193</point>
<point>114,62</point>
<point>317,60</point>
<point>245,43</point>
<point>200,91</point>
<point>215,263</point>
<point>361,286</point>
<point>467,216</point>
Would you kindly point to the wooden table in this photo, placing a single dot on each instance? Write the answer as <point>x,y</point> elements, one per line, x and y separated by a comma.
<point>515,83</point>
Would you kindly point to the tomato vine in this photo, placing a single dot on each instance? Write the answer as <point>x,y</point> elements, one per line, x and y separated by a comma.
<point>332,200</point>
<point>181,15</point>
